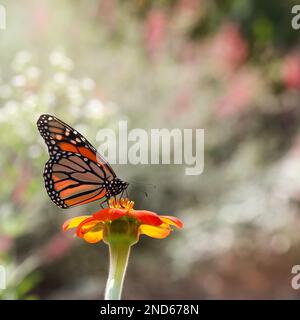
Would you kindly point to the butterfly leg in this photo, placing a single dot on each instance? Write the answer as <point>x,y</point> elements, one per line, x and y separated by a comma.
<point>101,204</point>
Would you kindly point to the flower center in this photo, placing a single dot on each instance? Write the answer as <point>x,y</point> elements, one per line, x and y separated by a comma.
<point>124,229</point>
<point>121,204</point>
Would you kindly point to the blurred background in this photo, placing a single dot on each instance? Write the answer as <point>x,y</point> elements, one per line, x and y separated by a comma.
<point>231,67</point>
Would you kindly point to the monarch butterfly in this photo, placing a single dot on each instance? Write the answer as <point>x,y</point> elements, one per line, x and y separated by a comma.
<point>76,173</point>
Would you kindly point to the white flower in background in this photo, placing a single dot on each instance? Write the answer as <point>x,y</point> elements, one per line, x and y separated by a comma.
<point>74,94</point>
<point>33,73</point>
<point>22,58</point>
<point>94,108</point>
<point>10,108</point>
<point>30,102</point>
<point>18,81</point>
<point>58,59</point>
<point>60,78</point>
<point>49,99</point>
<point>68,64</point>
<point>88,84</point>
<point>75,111</point>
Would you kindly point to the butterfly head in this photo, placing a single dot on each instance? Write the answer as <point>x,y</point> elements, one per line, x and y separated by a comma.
<point>115,187</point>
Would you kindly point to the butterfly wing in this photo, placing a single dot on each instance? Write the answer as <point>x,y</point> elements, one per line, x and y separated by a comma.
<point>75,174</point>
<point>59,137</point>
<point>73,180</point>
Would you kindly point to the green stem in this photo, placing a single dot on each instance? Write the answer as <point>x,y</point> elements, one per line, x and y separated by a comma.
<point>119,253</point>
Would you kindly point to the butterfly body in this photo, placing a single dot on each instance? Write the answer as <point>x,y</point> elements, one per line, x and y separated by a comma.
<point>76,173</point>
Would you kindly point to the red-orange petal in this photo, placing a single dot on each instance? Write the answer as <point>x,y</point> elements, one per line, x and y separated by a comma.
<point>85,225</point>
<point>109,214</point>
<point>146,217</point>
<point>173,221</point>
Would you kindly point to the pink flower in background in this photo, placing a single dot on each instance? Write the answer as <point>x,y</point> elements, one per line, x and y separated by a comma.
<point>229,48</point>
<point>182,103</point>
<point>56,248</point>
<point>24,179</point>
<point>239,93</point>
<point>295,148</point>
<point>108,13</point>
<point>189,52</point>
<point>189,4</point>
<point>155,30</point>
<point>40,20</point>
<point>291,71</point>
<point>6,243</point>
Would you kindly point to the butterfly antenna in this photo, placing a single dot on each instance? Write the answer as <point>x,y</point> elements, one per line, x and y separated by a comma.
<point>134,183</point>
<point>137,183</point>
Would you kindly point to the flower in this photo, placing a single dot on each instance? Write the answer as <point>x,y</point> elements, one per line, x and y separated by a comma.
<point>120,226</point>
<point>120,220</point>
<point>229,48</point>
<point>239,92</point>
<point>155,31</point>
<point>291,71</point>
<point>6,242</point>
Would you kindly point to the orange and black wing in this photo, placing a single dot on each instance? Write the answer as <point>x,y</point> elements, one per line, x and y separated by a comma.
<point>72,180</point>
<point>75,174</point>
<point>61,137</point>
